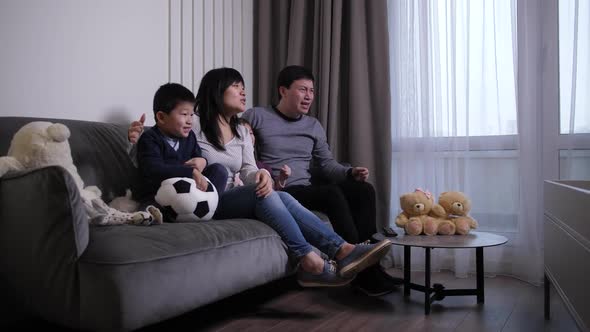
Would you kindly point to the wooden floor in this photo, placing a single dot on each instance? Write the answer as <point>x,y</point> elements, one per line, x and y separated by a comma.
<point>510,306</point>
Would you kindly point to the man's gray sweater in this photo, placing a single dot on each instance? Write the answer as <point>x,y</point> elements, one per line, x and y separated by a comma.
<point>293,142</point>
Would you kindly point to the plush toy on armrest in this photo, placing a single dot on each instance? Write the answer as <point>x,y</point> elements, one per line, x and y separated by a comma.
<point>39,144</point>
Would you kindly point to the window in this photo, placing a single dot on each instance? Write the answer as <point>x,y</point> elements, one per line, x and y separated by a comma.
<point>571,142</point>
<point>574,66</point>
<point>454,73</point>
<point>574,164</point>
<point>454,106</point>
<point>475,109</point>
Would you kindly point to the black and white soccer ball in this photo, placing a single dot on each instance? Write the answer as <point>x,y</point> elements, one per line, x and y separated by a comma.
<point>181,200</point>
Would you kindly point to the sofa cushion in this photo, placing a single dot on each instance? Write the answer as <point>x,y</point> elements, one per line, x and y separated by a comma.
<point>127,244</point>
<point>133,270</point>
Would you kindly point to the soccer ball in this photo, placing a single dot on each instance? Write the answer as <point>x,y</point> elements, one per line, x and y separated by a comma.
<point>181,200</point>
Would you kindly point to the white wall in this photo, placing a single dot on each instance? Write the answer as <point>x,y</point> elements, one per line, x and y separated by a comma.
<point>103,60</point>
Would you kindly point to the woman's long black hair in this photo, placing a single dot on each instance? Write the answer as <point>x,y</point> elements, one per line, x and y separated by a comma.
<point>209,103</point>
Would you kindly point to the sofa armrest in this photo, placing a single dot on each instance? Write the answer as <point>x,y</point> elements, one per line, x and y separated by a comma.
<point>42,210</point>
<point>43,231</point>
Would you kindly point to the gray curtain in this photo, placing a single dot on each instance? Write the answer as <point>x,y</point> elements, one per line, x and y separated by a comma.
<point>345,44</point>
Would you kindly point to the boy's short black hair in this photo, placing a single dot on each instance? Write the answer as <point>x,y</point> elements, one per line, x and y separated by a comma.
<point>290,74</point>
<point>170,95</point>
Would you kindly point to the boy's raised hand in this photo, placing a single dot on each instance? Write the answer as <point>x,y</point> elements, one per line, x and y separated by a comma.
<point>135,130</point>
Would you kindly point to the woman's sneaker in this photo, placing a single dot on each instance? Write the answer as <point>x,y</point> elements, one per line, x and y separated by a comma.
<point>328,278</point>
<point>362,256</point>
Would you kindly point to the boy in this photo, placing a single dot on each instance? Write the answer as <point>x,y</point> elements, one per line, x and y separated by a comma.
<point>170,149</point>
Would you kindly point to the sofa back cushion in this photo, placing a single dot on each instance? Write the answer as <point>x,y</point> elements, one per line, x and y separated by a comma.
<point>99,150</point>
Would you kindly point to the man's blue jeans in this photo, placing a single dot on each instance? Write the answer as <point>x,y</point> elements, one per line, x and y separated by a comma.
<point>298,227</point>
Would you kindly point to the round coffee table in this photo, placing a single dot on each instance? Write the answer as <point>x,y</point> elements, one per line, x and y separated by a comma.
<point>473,240</point>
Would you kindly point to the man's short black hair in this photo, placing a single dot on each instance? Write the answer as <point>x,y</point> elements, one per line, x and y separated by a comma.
<point>290,74</point>
<point>170,95</point>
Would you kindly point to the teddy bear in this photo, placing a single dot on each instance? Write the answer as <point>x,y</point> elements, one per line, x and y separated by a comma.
<point>437,224</point>
<point>420,215</point>
<point>39,144</point>
<point>457,206</point>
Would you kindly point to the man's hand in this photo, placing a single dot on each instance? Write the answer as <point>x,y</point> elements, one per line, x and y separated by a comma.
<point>264,183</point>
<point>198,162</point>
<point>135,130</point>
<point>360,173</point>
<point>200,180</point>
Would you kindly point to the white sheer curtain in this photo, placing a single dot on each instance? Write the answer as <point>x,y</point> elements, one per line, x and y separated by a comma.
<point>574,66</point>
<point>574,87</point>
<point>467,117</point>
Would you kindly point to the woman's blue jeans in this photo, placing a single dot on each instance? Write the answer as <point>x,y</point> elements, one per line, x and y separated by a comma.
<point>297,226</point>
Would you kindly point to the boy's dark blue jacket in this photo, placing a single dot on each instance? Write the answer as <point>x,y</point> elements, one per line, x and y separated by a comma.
<point>158,161</point>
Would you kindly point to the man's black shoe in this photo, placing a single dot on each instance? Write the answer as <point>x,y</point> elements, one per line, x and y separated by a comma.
<point>394,280</point>
<point>375,282</point>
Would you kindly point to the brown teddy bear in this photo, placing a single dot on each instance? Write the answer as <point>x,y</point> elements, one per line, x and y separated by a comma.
<point>457,206</point>
<point>437,224</point>
<point>421,215</point>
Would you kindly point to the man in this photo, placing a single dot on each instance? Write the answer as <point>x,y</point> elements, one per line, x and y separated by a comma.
<point>286,135</point>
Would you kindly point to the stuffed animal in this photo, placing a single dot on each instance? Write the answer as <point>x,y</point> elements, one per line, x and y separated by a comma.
<point>39,144</point>
<point>421,215</point>
<point>415,207</point>
<point>125,203</point>
<point>437,224</point>
<point>457,206</point>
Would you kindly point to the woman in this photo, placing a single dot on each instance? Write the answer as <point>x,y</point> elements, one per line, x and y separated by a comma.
<point>220,98</point>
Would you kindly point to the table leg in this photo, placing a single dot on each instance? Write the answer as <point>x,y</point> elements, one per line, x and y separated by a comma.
<point>407,270</point>
<point>427,283</point>
<point>479,272</point>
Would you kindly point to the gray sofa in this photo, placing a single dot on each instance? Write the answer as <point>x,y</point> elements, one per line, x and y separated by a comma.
<point>57,267</point>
